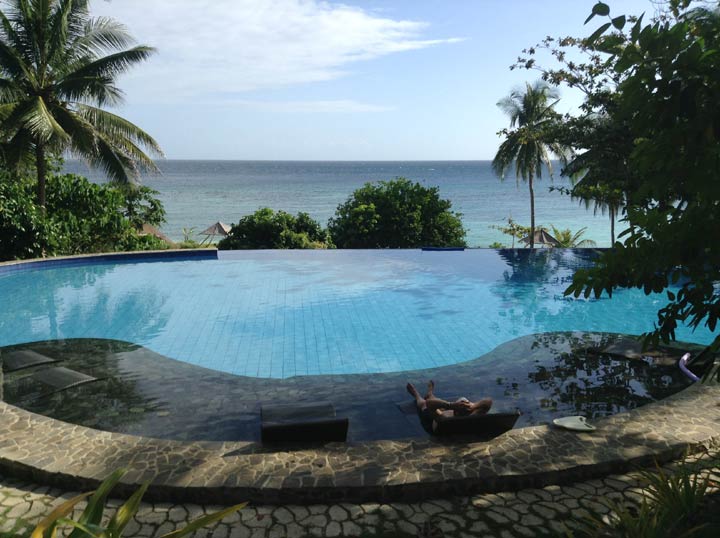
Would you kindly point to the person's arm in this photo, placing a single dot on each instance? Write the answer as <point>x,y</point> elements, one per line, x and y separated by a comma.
<point>435,404</point>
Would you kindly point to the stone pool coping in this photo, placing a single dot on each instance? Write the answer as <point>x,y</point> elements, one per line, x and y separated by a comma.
<point>74,457</point>
<point>78,259</point>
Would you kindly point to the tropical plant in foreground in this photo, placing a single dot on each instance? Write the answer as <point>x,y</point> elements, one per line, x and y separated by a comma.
<point>89,523</point>
<point>58,69</point>
<point>654,84</point>
<point>529,142</point>
<point>674,504</point>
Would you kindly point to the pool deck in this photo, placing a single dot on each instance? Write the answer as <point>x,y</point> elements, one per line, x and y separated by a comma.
<point>60,454</point>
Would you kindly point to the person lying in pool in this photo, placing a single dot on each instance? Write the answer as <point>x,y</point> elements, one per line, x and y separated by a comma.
<point>430,407</point>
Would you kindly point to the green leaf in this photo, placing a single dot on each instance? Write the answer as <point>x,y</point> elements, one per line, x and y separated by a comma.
<point>46,528</point>
<point>597,33</point>
<point>601,9</point>
<point>204,521</point>
<point>635,32</point>
<point>126,512</point>
<point>92,514</point>
<point>619,22</point>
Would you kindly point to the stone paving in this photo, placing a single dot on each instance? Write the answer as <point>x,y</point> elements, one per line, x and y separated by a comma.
<point>525,513</point>
<point>70,456</point>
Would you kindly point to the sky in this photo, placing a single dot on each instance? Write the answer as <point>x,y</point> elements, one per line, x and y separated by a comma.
<point>326,80</point>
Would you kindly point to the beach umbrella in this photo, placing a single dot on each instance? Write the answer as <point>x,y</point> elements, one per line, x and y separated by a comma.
<point>542,237</point>
<point>148,229</point>
<point>219,228</point>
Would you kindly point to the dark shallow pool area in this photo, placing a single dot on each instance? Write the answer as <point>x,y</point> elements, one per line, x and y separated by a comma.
<point>137,391</point>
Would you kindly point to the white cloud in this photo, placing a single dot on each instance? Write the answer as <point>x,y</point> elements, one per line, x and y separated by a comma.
<point>223,47</point>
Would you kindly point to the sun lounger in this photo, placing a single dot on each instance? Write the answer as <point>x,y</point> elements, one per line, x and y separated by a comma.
<point>487,426</point>
<point>62,378</point>
<point>302,423</point>
<point>26,358</point>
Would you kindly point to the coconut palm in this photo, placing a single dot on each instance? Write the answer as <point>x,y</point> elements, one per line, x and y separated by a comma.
<point>528,144</point>
<point>567,239</point>
<point>58,69</point>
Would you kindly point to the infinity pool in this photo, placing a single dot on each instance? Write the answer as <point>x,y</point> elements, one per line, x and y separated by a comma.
<point>281,314</point>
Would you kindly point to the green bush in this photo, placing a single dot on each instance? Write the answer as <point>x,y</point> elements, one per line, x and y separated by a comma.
<point>80,217</point>
<point>24,230</point>
<point>396,214</point>
<point>270,229</point>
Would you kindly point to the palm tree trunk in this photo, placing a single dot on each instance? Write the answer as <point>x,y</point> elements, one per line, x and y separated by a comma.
<point>532,211</point>
<point>612,226</point>
<point>41,173</point>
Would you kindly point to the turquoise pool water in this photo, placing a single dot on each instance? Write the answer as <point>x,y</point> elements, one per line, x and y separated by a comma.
<point>287,313</point>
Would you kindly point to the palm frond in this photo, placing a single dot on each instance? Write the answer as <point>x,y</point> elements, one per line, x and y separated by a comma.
<point>40,122</point>
<point>82,134</point>
<point>14,65</point>
<point>113,64</point>
<point>103,34</point>
<point>118,128</point>
<point>119,167</point>
<point>89,89</point>
<point>10,91</point>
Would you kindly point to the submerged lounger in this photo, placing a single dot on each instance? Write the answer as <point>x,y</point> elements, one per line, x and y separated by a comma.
<point>19,360</point>
<point>302,423</point>
<point>62,378</point>
<point>489,425</point>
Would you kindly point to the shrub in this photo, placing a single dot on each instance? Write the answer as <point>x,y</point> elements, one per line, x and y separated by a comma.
<point>270,229</point>
<point>396,214</point>
<point>80,217</point>
<point>24,230</point>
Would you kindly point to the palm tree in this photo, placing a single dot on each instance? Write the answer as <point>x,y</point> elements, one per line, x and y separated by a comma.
<point>58,68</point>
<point>529,145</point>
<point>567,239</point>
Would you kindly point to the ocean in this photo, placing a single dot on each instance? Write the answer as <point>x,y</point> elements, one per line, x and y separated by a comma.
<point>198,193</point>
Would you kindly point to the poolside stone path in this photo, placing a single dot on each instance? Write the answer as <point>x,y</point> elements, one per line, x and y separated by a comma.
<point>524,513</point>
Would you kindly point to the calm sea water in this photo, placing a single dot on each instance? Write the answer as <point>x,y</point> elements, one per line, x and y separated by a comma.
<point>198,193</point>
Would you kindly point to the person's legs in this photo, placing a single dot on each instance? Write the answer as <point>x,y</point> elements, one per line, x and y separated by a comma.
<point>481,407</point>
<point>419,400</point>
<point>430,403</point>
<point>430,390</point>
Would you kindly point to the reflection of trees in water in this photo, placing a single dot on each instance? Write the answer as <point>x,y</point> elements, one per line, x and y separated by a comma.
<point>530,276</point>
<point>140,311</point>
<point>597,385</point>
<point>141,314</point>
<point>113,403</point>
<point>38,289</point>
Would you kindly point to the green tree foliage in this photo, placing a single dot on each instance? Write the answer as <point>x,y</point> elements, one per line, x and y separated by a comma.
<point>396,214</point>
<point>663,90</point>
<point>528,142</point>
<point>24,230</point>
<point>58,69</point>
<point>82,217</point>
<point>270,229</point>
<point>514,230</point>
<point>141,204</point>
